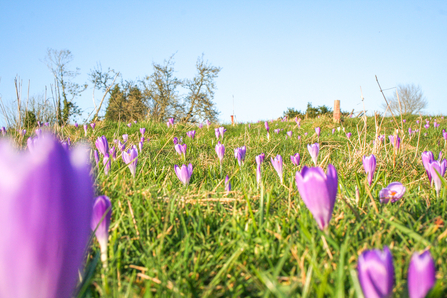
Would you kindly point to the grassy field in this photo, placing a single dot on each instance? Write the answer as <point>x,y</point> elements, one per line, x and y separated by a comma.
<point>171,240</point>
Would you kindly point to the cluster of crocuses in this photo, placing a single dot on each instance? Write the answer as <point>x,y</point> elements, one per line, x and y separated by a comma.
<point>48,223</point>
<point>219,132</point>
<point>376,273</point>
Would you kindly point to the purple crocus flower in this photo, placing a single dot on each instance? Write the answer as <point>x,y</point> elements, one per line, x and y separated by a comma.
<point>102,145</point>
<point>171,121</point>
<point>38,132</point>
<point>266,124</point>
<point>95,153</point>
<point>142,140</point>
<point>318,191</point>
<point>102,213</point>
<point>427,158</point>
<point>184,173</point>
<point>125,138</point>
<point>46,205</point>
<point>3,131</point>
<point>135,121</point>
<point>191,134</point>
<point>129,124</point>
<point>417,121</point>
<point>381,138</point>
<point>112,151</point>
<point>260,159</point>
<point>47,123</point>
<point>348,135</point>
<point>295,159</point>
<point>131,159</point>
<point>107,164</point>
<point>305,134</point>
<point>85,129</point>
<point>200,125</point>
<point>207,122</point>
<point>93,125</point>
<point>395,141</point>
<point>76,125</point>
<point>318,130</point>
<point>421,274</point>
<point>24,132</point>
<point>239,154</point>
<point>39,124</point>
<point>290,133</point>
<point>121,146</point>
<point>435,169</point>
<point>140,146</point>
<point>276,130</point>
<point>217,133</point>
<point>444,134</point>
<point>314,149</point>
<point>31,143</point>
<point>299,137</point>
<point>369,164</point>
<point>142,130</point>
<point>277,164</point>
<point>227,184</point>
<point>410,131</point>
<point>404,120</point>
<point>333,130</point>
<point>220,151</point>
<point>175,140</point>
<point>376,273</point>
<point>393,192</point>
<point>222,130</point>
<point>180,149</point>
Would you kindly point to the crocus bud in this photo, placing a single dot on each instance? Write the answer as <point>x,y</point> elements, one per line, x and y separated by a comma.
<point>217,133</point>
<point>239,154</point>
<point>184,173</point>
<point>295,159</point>
<point>266,124</point>
<point>129,124</point>
<point>175,140</point>
<point>220,151</point>
<point>290,133</point>
<point>314,149</point>
<point>38,132</point>
<point>421,274</point>
<point>102,213</point>
<point>107,164</point>
<point>227,184</point>
<point>142,130</point>
<point>102,145</point>
<point>93,125</point>
<point>112,152</point>
<point>348,135</point>
<point>76,125</point>
<point>369,164</point>
<point>277,165</point>
<point>318,131</point>
<point>318,191</point>
<point>222,130</point>
<point>393,192</point>
<point>260,159</point>
<point>180,149</point>
<point>435,169</point>
<point>376,273</point>
<point>125,138</point>
<point>85,129</point>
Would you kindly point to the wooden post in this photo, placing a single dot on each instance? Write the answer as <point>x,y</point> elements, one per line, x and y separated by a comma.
<point>232,120</point>
<point>337,113</point>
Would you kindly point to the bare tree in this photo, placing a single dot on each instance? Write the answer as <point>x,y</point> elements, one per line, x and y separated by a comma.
<point>65,90</point>
<point>409,99</point>
<point>199,100</point>
<point>160,90</point>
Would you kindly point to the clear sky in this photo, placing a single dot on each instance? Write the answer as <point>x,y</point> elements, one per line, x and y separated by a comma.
<point>273,54</point>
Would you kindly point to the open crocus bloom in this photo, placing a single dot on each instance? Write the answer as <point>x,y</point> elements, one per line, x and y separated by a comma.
<point>394,191</point>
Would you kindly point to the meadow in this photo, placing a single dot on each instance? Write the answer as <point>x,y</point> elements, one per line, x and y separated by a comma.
<point>167,239</point>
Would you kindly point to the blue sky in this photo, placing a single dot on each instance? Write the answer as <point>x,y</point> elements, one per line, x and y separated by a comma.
<point>273,55</point>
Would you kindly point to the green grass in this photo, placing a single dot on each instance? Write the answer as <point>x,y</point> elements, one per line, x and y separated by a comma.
<point>168,240</point>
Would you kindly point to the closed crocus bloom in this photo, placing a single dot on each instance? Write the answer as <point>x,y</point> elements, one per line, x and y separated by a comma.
<point>45,209</point>
<point>140,146</point>
<point>427,158</point>
<point>85,129</point>
<point>295,159</point>
<point>333,130</point>
<point>142,130</point>
<point>129,124</point>
<point>276,130</point>
<point>266,124</point>
<point>107,164</point>
<point>444,134</point>
<point>207,122</point>
<point>102,145</point>
<point>421,274</point>
<point>112,152</point>
<point>222,130</point>
<point>191,134</point>
<point>24,132</point>
<point>125,138</point>
<point>290,133</point>
<point>239,154</point>
<point>102,213</point>
<point>3,131</point>
<point>395,141</point>
<point>227,184</point>
<point>369,164</point>
<point>260,159</point>
<point>31,142</point>
<point>183,173</point>
<point>318,191</point>
<point>95,152</point>
<point>200,125</point>
<point>318,131</point>
<point>417,121</point>
<point>348,135</point>
<point>277,164</point>
<point>220,151</point>
<point>393,192</point>
<point>93,125</point>
<point>314,149</point>
<point>171,121</point>
<point>376,273</point>
<point>217,132</point>
<point>76,125</point>
<point>435,169</point>
<point>175,140</point>
<point>131,159</point>
<point>121,146</point>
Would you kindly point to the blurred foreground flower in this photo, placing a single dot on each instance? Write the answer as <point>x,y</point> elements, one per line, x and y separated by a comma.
<point>421,274</point>
<point>183,173</point>
<point>393,192</point>
<point>45,207</point>
<point>376,273</point>
<point>102,213</point>
<point>142,130</point>
<point>318,191</point>
<point>369,164</point>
